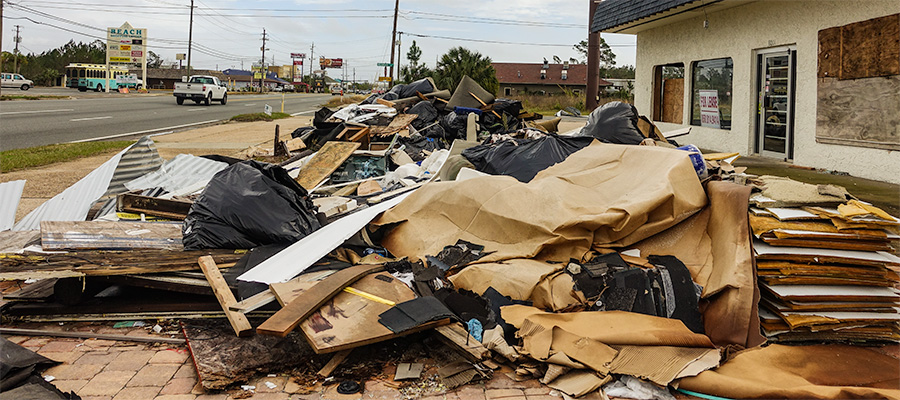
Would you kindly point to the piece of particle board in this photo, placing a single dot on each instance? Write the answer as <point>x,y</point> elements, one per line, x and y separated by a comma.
<point>324,163</point>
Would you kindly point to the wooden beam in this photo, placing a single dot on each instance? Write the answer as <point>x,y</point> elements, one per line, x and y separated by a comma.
<point>336,360</point>
<point>89,335</point>
<point>165,208</point>
<point>293,313</point>
<point>217,282</point>
<point>253,302</point>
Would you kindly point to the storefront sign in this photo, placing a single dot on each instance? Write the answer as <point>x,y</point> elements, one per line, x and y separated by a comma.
<point>709,109</point>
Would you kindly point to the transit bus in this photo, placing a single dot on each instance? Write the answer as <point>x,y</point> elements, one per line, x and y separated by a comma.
<point>93,76</point>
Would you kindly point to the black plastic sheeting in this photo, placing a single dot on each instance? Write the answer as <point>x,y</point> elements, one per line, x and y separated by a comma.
<point>403,91</point>
<point>455,126</point>
<point>20,376</point>
<point>425,112</point>
<point>416,147</point>
<point>247,205</point>
<point>614,122</point>
<point>523,158</point>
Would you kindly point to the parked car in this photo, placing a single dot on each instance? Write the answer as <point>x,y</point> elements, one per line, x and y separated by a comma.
<point>337,91</point>
<point>201,88</point>
<point>11,80</point>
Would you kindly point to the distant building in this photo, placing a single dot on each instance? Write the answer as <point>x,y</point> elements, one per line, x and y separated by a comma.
<point>240,79</point>
<point>543,78</point>
<point>165,78</point>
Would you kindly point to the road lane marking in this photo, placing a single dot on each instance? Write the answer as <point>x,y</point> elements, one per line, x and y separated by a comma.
<point>89,119</point>
<point>197,109</point>
<point>35,112</point>
<point>248,105</point>
<point>170,129</point>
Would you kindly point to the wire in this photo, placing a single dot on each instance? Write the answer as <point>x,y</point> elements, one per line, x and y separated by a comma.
<point>495,41</point>
<point>494,21</point>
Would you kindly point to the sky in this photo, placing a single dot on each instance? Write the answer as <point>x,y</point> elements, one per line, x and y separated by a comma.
<point>228,34</point>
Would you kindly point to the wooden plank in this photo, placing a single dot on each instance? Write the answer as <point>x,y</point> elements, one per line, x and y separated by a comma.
<point>253,302</point>
<point>89,335</point>
<point>223,293</point>
<point>673,100</point>
<point>325,162</point>
<point>398,123</point>
<point>829,53</point>
<point>871,48</point>
<point>458,338</point>
<point>286,319</point>
<point>87,235</point>
<point>40,290</point>
<point>107,263</point>
<point>332,364</point>
<point>165,208</point>
<point>859,112</point>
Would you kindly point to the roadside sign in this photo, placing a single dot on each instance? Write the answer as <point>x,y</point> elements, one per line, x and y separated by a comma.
<point>268,109</point>
<point>298,55</point>
<point>330,62</point>
<point>257,75</point>
<point>385,64</point>
<point>125,45</point>
<point>384,79</point>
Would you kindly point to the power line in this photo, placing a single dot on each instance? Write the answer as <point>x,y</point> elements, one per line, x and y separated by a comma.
<point>493,21</point>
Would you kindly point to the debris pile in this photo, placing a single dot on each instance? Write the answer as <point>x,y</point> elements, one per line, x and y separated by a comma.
<point>606,258</point>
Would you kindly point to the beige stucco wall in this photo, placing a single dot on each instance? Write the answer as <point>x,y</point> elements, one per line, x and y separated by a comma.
<point>739,33</point>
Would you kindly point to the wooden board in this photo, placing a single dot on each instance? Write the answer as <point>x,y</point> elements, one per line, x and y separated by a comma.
<point>96,263</point>
<point>673,100</point>
<point>350,320</point>
<point>859,112</point>
<point>238,321</point>
<point>324,163</point>
<point>830,53</point>
<point>166,208</point>
<point>86,235</point>
<point>455,336</point>
<point>871,48</point>
<point>399,122</point>
<point>309,301</point>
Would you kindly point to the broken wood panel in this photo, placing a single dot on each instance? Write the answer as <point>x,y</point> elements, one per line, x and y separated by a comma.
<point>106,263</point>
<point>89,235</point>
<point>13,241</point>
<point>38,291</point>
<point>333,363</point>
<point>253,302</point>
<point>673,100</point>
<point>457,337</point>
<point>859,112</point>
<point>830,53</point>
<point>326,161</point>
<point>293,313</point>
<point>398,123</point>
<point>238,321</point>
<point>871,48</point>
<point>165,208</point>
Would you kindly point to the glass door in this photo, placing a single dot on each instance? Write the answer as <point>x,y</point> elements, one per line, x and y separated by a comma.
<point>775,125</point>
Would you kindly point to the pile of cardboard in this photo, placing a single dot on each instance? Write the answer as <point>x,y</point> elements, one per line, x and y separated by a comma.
<point>825,268</point>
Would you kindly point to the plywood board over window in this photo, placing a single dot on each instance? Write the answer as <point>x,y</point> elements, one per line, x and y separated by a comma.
<point>859,84</point>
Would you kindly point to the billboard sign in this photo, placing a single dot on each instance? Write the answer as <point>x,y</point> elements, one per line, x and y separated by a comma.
<point>331,62</point>
<point>298,55</point>
<point>298,62</point>
<point>125,45</point>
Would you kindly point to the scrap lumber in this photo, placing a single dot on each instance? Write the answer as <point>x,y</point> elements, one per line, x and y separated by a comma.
<point>86,235</point>
<point>253,302</point>
<point>293,313</point>
<point>223,293</point>
<point>332,364</point>
<point>107,263</point>
<point>484,104</point>
<point>455,336</point>
<point>89,335</point>
<point>325,162</point>
<point>397,124</point>
<point>155,206</point>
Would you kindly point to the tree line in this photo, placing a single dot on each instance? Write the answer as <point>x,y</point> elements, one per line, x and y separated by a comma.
<point>46,67</point>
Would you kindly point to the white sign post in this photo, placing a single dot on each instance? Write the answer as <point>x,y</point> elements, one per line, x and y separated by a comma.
<point>709,109</point>
<point>126,45</point>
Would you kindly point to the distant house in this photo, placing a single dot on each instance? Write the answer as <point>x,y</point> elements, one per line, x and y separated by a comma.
<point>165,78</point>
<point>239,79</point>
<point>816,83</point>
<point>542,78</point>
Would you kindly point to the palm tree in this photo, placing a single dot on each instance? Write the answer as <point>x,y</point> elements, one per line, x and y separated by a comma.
<point>458,62</point>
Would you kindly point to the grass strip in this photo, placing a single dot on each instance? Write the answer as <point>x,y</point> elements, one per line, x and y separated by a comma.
<point>259,117</point>
<point>13,160</point>
<point>7,97</point>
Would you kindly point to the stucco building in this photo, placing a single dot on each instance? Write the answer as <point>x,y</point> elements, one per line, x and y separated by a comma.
<point>816,83</point>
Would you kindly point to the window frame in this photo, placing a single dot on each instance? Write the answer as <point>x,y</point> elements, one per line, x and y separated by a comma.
<point>729,93</point>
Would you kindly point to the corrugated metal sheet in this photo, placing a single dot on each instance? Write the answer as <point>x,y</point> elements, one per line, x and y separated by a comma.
<point>142,159</point>
<point>74,203</point>
<point>10,194</point>
<point>182,171</point>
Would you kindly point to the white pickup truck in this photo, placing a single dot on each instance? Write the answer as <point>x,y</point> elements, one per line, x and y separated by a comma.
<point>201,89</point>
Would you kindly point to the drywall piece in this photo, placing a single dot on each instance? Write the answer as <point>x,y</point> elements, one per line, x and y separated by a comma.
<point>238,321</point>
<point>763,249</point>
<point>839,293</point>
<point>293,260</point>
<point>788,214</point>
<point>408,371</point>
<point>10,194</point>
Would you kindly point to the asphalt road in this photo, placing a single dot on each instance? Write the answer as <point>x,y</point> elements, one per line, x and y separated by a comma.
<point>114,115</point>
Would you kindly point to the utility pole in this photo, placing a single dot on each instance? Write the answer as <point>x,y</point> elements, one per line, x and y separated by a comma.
<point>355,86</point>
<point>1,35</point>
<point>16,51</point>
<point>593,56</point>
<point>190,38</point>
<point>262,62</point>
<point>312,48</point>
<point>394,38</point>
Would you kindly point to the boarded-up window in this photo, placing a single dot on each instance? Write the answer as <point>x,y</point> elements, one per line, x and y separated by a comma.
<point>668,94</point>
<point>859,84</point>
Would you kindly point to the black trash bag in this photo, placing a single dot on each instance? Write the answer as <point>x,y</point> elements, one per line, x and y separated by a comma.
<point>505,124</point>
<point>524,158</point>
<point>390,96</point>
<point>426,114</point>
<point>614,122</point>
<point>435,131</point>
<point>415,146</point>
<point>320,116</point>
<point>511,107</point>
<point>370,100</point>
<point>247,205</point>
<point>303,130</point>
<point>454,126</point>
<point>315,139</point>
<point>402,91</point>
